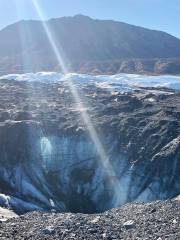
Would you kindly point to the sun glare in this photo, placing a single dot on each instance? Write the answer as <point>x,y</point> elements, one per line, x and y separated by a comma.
<point>85,117</point>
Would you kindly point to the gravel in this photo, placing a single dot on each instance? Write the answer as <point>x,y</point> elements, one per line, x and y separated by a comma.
<point>156,220</point>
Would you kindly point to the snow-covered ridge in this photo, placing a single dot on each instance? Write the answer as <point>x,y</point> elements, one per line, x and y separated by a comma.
<point>124,82</point>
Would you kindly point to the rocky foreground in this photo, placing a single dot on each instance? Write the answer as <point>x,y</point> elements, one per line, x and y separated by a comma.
<point>157,221</point>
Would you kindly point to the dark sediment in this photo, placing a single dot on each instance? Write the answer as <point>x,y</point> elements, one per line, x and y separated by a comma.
<point>157,220</point>
<point>139,131</point>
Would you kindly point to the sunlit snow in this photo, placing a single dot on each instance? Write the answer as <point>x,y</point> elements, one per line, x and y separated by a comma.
<point>121,82</point>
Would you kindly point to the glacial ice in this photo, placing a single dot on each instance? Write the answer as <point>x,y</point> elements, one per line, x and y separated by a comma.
<point>60,170</point>
<point>121,82</point>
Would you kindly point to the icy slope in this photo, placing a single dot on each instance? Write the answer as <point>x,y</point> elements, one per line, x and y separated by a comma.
<point>48,159</point>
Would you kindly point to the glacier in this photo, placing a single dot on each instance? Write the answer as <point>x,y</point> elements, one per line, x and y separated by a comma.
<point>121,82</point>
<point>48,160</point>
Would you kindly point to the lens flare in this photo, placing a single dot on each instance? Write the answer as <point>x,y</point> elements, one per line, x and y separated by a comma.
<point>28,60</point>
<point>85,117</point>
<point>51,38</point>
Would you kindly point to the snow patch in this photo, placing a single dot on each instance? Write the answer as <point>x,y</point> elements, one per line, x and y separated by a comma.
<point>121,82</point>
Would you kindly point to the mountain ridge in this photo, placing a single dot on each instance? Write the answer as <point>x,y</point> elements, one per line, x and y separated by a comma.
<point>82,16</point>
<point>82,41</point>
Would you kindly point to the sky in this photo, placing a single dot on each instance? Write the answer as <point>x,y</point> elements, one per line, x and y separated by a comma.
<point>161,15</point>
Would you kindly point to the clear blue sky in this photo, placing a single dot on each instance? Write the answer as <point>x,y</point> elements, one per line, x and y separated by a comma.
<point>155,14</point>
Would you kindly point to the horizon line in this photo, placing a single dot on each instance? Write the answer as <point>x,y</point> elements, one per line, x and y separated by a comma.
<point>92,18</point>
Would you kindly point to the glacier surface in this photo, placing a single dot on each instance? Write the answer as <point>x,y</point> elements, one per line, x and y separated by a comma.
<point>49,162</point>
<point>121,82</point>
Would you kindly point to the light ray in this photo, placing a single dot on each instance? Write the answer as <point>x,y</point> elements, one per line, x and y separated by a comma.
<point>85,117</point>
<point>27,60</point>
<point>25,38</point>
<point>51,38</point>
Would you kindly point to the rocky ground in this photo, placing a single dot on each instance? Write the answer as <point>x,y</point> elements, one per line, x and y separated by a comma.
<point>138,66</point>
<point>156,221</point>
<point>50,160</point>
<point>140,132</point>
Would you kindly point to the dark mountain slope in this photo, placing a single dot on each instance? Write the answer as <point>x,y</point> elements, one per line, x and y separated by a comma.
<point>24,46</point>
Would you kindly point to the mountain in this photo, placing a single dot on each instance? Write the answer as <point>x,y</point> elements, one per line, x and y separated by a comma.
<point>87,45</point>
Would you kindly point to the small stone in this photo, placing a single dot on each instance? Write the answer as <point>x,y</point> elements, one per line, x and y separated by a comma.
<point>92,230</point>
<point>95,220</point>
<point>153,210</point>
<point>48,231</point>
<point>129,224</point>
<point>104,235</point>
<point>174,221</point>
<point>2,220</point>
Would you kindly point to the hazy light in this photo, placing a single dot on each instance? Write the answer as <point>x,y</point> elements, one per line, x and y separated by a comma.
<point>85,117</point>
<point>28,61</point>
<point>50,37</point>
<point>46,147</point>
<point>24,41</point>
<point>46,150</point>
